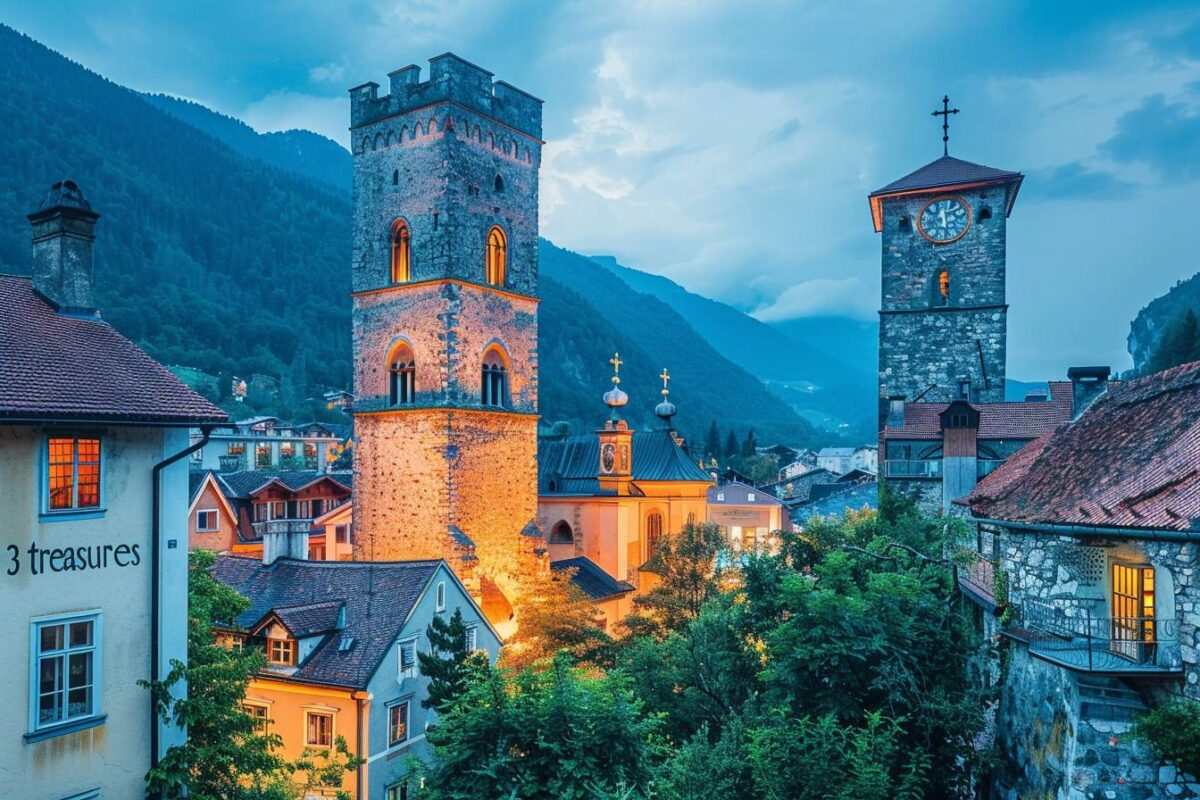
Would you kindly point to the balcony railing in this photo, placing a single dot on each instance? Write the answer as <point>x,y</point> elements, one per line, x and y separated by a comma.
<point>977,578</point>
<point>1076,638</point>
<point>282,526</point>
<point>914,468</point>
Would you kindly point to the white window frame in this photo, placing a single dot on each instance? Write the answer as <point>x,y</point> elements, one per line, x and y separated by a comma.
<point>472,638</point>
<point>408,737</point>
<point>439,596</point>
<point>332,714</point>
<point>96,617</point>
<point>750,497</point>
<point>720,497</point>
<point>216,520</point>
<point>410,671</point>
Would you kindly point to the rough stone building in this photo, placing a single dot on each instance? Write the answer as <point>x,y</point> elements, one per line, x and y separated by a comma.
<point>1089,553</point>
<point>943,316</point>
<point>445,302</point>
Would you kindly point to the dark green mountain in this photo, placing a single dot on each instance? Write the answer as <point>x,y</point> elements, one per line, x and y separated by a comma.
<point>1157,317</point>
<point>227,251</point>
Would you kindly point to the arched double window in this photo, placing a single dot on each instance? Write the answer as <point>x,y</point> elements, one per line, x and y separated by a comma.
<point>493,389</point>
<point>941,294</point>
<point>561,533</point>
<point>401,252</point>
<point>497,256</point>
<point>654,530</point>
<point>402,376</point>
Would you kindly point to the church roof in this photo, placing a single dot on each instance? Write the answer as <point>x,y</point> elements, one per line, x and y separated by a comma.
<point>945,173</point>
<point>568,464</point>
<point>593,581</point>
<point>1132,461</point>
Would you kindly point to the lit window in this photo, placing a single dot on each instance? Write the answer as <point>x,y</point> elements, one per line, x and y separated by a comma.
<point>654,529</point>
<point>441,596</point>
<point>72,474</point>
<point>720,497</point>
<point>66,679</point>
<point>397,724</point>
<point>262,454</point>
<point>750,496</point>
<point>281,651</point>
<point>493,387</point>
<point>406,659</point>
<point>401,252</point>
<point>402,376</point>
<point>319,729</point>
<point>207,521</point>
<point>497,256</point>
<point>259,715</point>
<point>944,286</point>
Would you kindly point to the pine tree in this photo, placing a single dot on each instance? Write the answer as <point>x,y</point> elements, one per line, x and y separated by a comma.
<point>712,444</point>
<point>449,665</point>
<point>731,445</point>
<point>750,445</point>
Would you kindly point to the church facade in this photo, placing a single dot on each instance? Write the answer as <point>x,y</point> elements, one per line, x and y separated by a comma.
<point>445,304</point>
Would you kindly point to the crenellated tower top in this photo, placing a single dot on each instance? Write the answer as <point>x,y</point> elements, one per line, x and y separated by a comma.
<point>453,80</point>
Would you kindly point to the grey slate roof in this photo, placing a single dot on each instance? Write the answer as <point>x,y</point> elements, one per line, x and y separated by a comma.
<point>310,619</point>
<point>593,581</point>
<point>378,596</point>
<point>948,171</point>
<point>802,486</point>
<point>854,498</point>
<point>242,483</point>
<point>568,464</point>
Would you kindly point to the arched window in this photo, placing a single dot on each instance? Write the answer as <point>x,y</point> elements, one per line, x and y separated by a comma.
<point>943,287</point>
<point>401,252</point>
<point>402,376</point>
<point>499,185</point>
<point>654,529</point>
<point>493,388</point>
<point>561,533</point>
<point>497,256</point>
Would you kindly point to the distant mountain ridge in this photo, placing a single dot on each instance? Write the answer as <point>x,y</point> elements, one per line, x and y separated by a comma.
<point>1146,329</point>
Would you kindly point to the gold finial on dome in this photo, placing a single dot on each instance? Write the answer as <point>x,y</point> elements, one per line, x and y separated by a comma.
<point>614,398</point>
<point>666,409</point>
<point>616,365</point>
<point>666,378</point>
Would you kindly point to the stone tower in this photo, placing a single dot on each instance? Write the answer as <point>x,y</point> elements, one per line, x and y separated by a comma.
<point>943,314</point>
<point>445,277</point>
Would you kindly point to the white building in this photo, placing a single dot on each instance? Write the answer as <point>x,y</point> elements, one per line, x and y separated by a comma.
<point>93,454</point>
<point>840,460</point>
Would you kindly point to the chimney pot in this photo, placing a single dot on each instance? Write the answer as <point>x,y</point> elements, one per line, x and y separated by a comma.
<point>63,232</point>
<point>1087,385</point>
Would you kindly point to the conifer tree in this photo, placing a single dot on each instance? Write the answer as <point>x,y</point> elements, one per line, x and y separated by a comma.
<point>750,445</point>
<point>712,444</point>
<point>731,445</point>
<point>449,665</point>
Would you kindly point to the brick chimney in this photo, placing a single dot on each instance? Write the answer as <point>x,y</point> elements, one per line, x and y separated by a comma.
<point>1087,385</point>
<point>284,538</point>
<point>62,249</point>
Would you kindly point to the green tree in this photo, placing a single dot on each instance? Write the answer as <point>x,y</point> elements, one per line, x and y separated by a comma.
<point>226,755</point>
<point>1173,730</point>
<point>749,445</point>
<point>555,615</point>
<point>559,733</point>
<point>1180,344</point>
<point>449,665</point>
<point>732,448</point>
<point>689,575</point>
<point>712,443</point>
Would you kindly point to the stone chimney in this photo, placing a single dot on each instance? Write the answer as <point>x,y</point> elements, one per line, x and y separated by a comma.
<point>62,249</point>
<point>1087,384</point>
<point>284,538</point>
<point>895,412</point>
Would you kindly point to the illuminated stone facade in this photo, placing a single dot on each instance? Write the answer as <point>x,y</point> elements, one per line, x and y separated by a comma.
<point>446,472</point>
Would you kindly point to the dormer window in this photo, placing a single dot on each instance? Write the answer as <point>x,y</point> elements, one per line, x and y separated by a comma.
<point>281,651</point>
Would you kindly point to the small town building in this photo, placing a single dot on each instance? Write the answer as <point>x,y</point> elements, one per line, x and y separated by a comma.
<point>341,641</point>
<point>268,443</point>
<point>93,478</point>
<point>747,515</point>
<point>1088,544</point>
<point>840,460</point>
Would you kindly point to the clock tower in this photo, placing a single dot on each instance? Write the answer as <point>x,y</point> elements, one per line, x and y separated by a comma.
<point>943,314</point>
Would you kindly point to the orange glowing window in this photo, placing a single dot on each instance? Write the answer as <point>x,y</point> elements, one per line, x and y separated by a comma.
<point>401,252</point>
<point>73,474</point>
<point>654,530</point>
<point>497,256</point>
<point>944,285</point>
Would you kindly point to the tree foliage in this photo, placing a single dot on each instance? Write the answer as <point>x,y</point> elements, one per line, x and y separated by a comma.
<point>1180,344</point>
<point>449,663</point>
<point>556,616</point>
<point>1173,730</point>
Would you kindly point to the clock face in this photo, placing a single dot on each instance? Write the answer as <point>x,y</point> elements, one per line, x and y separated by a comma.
<point>945,219</point>
<point>608,457</point>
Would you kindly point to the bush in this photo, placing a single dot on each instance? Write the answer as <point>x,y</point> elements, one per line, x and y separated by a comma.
<point>1173,730</point>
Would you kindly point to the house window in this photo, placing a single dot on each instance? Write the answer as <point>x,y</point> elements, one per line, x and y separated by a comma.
<point>493,388</point>
<point>278,509</point>
<point>398,792</point>
<point>342,534</point>
<point>750,497</point>
<point>66,674</point>
<point>720,497</point>
<point>402,376</point>
<point>397,724</point>
<point>472,639</point>
<point>259,715</point>
<point>230,641</point>
<point>654,529</point>
<point>316,551</point>
<point>262,454</point>
<point>281,651</point>
<point>318,729</point>
<point>497,256</point>
<point>561,533</point>
<point>72,474</point>
<point>406,659</point>
<point>441,596</point>
<point>207,520</point>
<point>1133,608</point>
<point>401,252</point>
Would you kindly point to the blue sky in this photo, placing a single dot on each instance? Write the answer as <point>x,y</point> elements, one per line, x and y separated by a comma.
<point>731,146</point>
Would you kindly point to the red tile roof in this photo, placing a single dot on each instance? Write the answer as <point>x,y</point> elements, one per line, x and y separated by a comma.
<point>55,366</point>
<point>1131,461</point>
<point>1015,420</point>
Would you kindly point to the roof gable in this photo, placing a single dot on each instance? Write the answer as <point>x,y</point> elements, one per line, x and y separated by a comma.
<point>945,173</point>
<point>569,464</point>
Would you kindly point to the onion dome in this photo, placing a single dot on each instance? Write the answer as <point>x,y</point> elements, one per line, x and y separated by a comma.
<point>666,409</point>
<point>615,397</point>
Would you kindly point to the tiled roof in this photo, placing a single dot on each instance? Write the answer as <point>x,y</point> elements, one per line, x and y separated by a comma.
<point>55,366</point>
<point>801,486</point>
<point>377,596</point>
<point>246,482</point>
<point>595,582</point>
<point>854,497</point>
<point>570,463</point>
<point>1011,420</point>
<point>1131,461</point>
<point>947,171</point>
<point>309,619</point>
<point>834,452</point>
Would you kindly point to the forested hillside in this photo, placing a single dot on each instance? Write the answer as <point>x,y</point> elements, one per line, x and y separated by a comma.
<point>228,251</point>
<point>1158,335</point>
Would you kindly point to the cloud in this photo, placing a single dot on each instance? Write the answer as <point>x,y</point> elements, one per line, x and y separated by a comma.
<point>328,73</point>
<point>1075,180</point>
<point>1163,135</point>
<point>820,297</point>
<point>282,111</point>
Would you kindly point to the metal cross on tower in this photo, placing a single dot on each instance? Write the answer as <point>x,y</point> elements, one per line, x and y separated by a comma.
<point>666,378</point>
<point>616,365</point>
<point>945,115</point>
